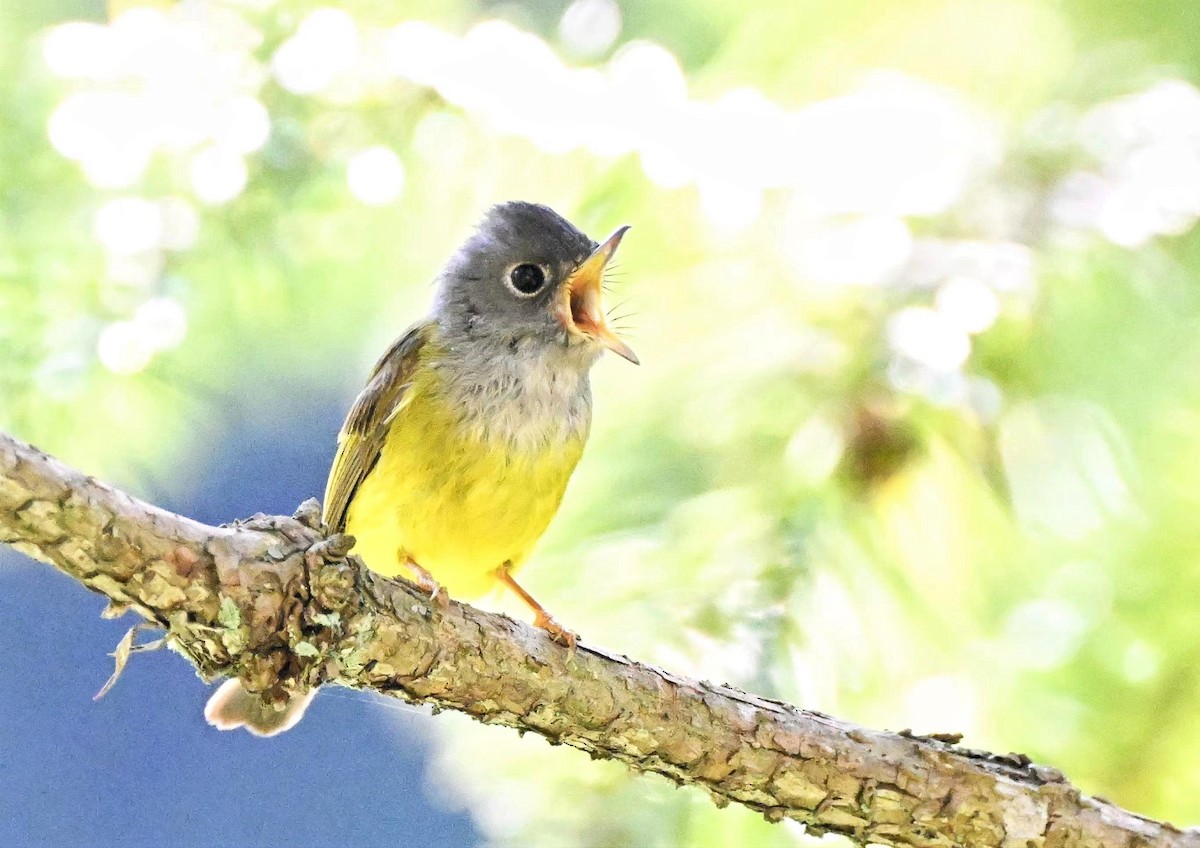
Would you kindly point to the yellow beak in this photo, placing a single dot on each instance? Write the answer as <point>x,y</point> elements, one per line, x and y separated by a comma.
<point>582,310</point>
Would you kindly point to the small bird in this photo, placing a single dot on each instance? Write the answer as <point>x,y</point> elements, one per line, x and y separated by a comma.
<point>454,458</point>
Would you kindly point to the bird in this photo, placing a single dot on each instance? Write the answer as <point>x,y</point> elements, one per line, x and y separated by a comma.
<point>454,458</point>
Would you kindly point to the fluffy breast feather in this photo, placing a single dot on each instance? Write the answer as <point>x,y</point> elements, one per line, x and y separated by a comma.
<point>525,397</point>
<point>473,469</point>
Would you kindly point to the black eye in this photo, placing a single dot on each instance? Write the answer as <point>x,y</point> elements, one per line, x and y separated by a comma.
<point>527,278</point>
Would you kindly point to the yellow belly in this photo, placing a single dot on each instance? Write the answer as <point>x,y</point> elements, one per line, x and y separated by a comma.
<point>459,505</point>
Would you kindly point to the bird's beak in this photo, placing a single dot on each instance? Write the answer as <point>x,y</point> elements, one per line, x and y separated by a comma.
<point>581,308</point>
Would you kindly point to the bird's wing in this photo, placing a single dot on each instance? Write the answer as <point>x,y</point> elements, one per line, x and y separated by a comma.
<point>361,438</point>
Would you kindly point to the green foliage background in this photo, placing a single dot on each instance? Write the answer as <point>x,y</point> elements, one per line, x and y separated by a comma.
<point>1006,546</point>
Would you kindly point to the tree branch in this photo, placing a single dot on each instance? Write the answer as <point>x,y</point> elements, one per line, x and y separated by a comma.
<point>259,601</point>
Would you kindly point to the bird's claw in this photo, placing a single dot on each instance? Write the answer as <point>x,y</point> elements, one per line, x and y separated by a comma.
<point>437,592</point>
<point>544,621</point>
<point>425,582</point>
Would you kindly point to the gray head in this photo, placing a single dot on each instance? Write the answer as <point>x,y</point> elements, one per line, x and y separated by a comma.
<point>527,277</point>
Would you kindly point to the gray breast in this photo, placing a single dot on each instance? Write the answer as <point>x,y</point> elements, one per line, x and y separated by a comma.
<point>528,397</point>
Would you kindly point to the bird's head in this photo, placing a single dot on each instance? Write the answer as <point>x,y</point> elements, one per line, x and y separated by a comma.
<point>528,277</point>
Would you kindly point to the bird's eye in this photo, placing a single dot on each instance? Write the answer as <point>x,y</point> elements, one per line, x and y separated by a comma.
<point>527,278</point>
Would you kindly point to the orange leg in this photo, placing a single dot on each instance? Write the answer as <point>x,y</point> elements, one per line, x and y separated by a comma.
<point>541,618</point>
<point>425,581</point>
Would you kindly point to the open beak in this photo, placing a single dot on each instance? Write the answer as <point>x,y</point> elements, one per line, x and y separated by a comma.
<point>581,309</point>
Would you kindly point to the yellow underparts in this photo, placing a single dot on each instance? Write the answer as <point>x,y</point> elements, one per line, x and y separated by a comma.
<point>458,504</point>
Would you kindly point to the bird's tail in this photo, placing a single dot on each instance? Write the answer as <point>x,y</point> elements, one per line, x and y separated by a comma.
<point>231,707</point>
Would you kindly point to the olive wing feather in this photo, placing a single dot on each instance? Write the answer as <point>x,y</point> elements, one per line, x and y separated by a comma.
<point>362,436</point>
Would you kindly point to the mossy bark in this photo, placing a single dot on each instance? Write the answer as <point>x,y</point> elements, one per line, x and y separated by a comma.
<point>272,602</point>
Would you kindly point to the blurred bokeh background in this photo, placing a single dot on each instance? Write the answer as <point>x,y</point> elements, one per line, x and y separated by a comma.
<point>916,440</point>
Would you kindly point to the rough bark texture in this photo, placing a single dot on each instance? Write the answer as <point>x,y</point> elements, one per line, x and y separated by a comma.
<point>257,600</point>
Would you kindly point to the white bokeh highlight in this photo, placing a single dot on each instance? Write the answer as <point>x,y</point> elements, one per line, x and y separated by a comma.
<point>590,27</point>
<point>375,175</point>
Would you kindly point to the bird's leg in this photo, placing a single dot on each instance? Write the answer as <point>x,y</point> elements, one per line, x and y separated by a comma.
<point>425,581</point>
<point>541,618</point>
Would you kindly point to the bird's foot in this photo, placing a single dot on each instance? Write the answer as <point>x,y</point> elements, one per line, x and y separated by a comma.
<point>424,580</point>
<point>544,621</point>
<point>541,619</point>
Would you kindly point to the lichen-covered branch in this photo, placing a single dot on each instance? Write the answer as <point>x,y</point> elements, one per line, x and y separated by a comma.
<point>273,603</point>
